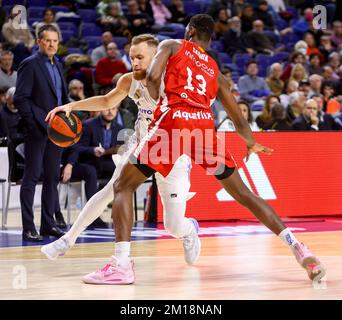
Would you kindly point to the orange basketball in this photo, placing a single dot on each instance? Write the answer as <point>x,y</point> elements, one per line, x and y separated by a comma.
<point>64,131</point>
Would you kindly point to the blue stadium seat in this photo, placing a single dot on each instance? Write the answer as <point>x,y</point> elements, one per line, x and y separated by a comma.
<point>162,37</point>
<point>280,57</point>
<point>240,59</point>
<point>93,41</point>
<point>59,9</point>
<point>170,34</point>
<point>68,26</point>
<point>290,38</point>
<point>120,41</point>
<point>75,50</point>
<point>38,3</point>
<point>35,13</point>
<point>232,66</point>
<point>281,24</point>
<point>193,7</point>
<point>67,34</point>
<point>90,29</point>
<point>217,45</point>
<point>87,15</point>
<point>272,35</point>
<point>75,20</point>
<point>294,12</point>
<point>11,2</point>
<point>263,59</point>
<point>7,9</point>
<point>178,28</point>
<point>224,58</point>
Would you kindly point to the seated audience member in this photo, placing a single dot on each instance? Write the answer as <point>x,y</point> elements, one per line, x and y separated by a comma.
<point>296,105</point>
<point>228,125</point>
<point>278,119</point>
<point>312,120</point>
<point>315,64</point>
<point>312,48</point>
<point>233,86</point>
<point>273,81</point>
<point>247,17</point>
<point>108,67</point>
<point>328,74</point>
<point>330,104</point>
<point>221,23</point>
<point>298,73</point>
<point>334,61</point>
<point>253,88</point>
<point>315,84</point>
<point>100,52</point>
<point>263,120</point>
<point>125,57</point>
<point>289,87</point>
<point>76,90</point>
<point>304,86</point>
<point>139,22</point>
<point>145,7</point>
<point>99,142</point>
<point>326,47</point>
<point>102,6</point>
<point>114,21</point>
<point>261,13</point>
<point>178,14</point>
<point>336,37</point>
<point>235,41</point>
<point>295,58</point>
<point>161,13</point>
<point>48,18</point>
<point>8,76</point>
<point>20,39</point>
<point>258,40</point>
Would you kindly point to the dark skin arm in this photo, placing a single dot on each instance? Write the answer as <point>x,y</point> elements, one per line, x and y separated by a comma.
<point>242,127</point>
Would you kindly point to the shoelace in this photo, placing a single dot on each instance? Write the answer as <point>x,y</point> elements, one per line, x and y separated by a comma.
<point>61,244</point>
<point>188,241</point>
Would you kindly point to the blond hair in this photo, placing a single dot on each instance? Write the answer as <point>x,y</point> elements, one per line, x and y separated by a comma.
<point>146,37</point>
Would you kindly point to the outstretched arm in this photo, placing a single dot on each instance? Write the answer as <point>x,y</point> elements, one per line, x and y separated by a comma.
<point>241,124</point>
<point>97,103</point>
<point>158,65</point>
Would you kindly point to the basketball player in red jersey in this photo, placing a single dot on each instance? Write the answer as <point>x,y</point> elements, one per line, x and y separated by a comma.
<point>192,82</point>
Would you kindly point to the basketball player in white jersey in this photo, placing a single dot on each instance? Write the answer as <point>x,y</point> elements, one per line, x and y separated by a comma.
<point>174,189</point>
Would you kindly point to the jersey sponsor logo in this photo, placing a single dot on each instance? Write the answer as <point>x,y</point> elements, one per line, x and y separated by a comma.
<point>202,56</point>
<point>200,115</point>
<point>258,177</point>
<point>147,112</point>
<point>209,71</point>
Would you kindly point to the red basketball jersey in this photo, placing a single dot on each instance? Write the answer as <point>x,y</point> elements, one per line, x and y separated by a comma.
<point>190,77</point>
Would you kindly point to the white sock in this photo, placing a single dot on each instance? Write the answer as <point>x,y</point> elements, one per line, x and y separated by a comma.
<point>288,237</point>
<point>122,253</point>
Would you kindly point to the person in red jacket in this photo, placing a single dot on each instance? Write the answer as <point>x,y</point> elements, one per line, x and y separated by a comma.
<point>107,68</point>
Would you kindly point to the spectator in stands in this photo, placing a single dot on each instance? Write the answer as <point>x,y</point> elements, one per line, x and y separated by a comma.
<point>76,90</point>
<point>145,7</point>
<point>161,13</point>
<point>315,64</point>
<point>8,76</point>
<point>216,5</point>
<point>315,84</point>
<point>258,40</point>
<point>263,120</point>
<point>228,125</point>
<point>253,89</point>
<point>139,22</point>
<point>48,18</point>
<point>290,87</point>
<point>20,39</point>
<point>302,25</point>
<point>278,119</point>
<point>304,86</point>
<point>237,8</point>
<point>178,12</point>
<point>247,18</point>
<point>330,104</point>
<point>10,118</point>
<point>336,37</point>
<point>261,13</point>
<point>338,85</point>
<point>296,57</point>
<point>312,47</point>
<point>328,74</point>
<point>235,41</point>
<point>326,47</point>
<point>3,97</point>
<point>302,47</point>
<point>221,23</point>
<point>296,105</point>
<point>334,61</point>
<point>100,52</point>
<point>125,57</point>
<point>233,86</point>
<point>108,67</point>
<point>114,21</point>
<point>298,73</point>
<point>102,6</point>
<point>273,81</point>
<point>100,141</point>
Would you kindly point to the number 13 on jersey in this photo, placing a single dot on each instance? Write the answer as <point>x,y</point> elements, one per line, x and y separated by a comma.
<point>201,83</point>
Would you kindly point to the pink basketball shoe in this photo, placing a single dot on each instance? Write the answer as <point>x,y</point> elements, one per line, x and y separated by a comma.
<point>112,273</point>
<point>309,262</point>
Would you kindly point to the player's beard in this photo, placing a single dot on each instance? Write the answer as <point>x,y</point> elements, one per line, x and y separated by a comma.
<point>139,75</point>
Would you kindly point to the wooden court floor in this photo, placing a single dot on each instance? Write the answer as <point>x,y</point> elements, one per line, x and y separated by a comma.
<point>238,267</point>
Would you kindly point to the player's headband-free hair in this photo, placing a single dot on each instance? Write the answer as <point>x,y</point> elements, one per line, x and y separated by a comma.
<point>146,37</point>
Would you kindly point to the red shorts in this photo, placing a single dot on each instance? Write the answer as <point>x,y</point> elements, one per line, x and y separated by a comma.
<point>183,129</point>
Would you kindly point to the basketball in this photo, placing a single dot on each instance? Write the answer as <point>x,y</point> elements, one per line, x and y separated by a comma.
<point>63,131</point>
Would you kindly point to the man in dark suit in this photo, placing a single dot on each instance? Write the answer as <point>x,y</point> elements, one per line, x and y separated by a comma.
<point>40,87</point>
<point>99,141</point>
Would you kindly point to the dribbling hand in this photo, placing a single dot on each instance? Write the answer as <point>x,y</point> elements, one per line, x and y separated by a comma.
<point>66,108</point>
<point>258,148</point>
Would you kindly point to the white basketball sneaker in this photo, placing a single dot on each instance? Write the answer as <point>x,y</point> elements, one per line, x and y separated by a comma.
<point>56,249</point>
<point>192,244</point>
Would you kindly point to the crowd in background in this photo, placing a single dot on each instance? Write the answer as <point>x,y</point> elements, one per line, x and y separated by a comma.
<point>284,71</point>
